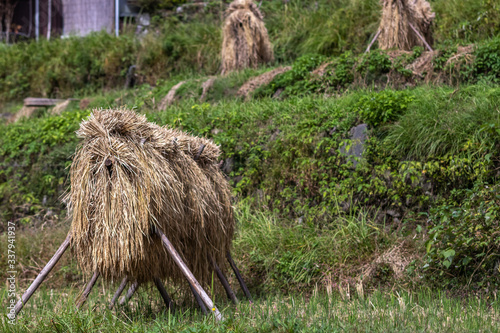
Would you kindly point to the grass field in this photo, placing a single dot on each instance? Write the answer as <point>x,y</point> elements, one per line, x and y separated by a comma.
<point>324,311</point>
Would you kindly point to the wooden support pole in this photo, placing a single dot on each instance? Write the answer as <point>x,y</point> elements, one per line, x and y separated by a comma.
<point>43,274</point>
<point>164,294</point>
<point>373,40</point>
<point>34,101</point>
<point>420,36</point>
<point>223,281</point>
<point>118,292</point>
<point>130,293</point>
<point>87,290</point>
<point>198,300</point>
<point>189,276</point>
<point>239,277</point>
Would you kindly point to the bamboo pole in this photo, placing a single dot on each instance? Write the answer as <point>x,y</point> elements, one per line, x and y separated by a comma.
<point>118,292</point>
<point>239,277</point>
<point>43,274</point>
<point>420,36</point>
<point>223,281</point>
<point>373,40</point>
<point>87,290</point>
<point>198,300</point>
<point>130,293</point>
<point>189,276</point>
<point>200,151</point>
<point>164,294</point>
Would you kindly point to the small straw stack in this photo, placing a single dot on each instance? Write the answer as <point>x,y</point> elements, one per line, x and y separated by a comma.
<point>246,42</point>
<point>397,18</point>
<point>130,176</point>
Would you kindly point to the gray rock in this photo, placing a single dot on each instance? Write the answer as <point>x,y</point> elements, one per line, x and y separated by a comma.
<point>228,165</point>
<point>355,150</point>
<point>144,19</point>
<point>278,92</point>
<point>393,213</point>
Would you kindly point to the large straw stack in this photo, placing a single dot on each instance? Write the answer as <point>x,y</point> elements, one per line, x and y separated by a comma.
<point>130,176</point>
<point>398,18</point>
<point>246,43</point>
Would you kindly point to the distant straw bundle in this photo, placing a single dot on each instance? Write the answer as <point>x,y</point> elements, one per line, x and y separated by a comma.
<point>129,176</point>
<point>398,17</point>
<point>246,42</point>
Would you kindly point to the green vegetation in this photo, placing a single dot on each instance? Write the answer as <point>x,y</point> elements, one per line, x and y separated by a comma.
<point>392,312</point>
<point>428,148</point>
<point>473,64</point>
<point>187,44</point>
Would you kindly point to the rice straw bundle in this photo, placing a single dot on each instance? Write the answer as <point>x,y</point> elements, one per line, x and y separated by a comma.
<point>246,42</point>
<point>398,17</point>
<point>130,176</point>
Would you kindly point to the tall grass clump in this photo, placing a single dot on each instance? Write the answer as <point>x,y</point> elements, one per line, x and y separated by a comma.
<point>323,27</point>
<point>60,67</point>
<point>466,21</point>
<point>291,255</point>
<point>447,122</point>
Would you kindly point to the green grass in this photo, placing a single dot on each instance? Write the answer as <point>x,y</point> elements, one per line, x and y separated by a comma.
<point>394,311</point>
<point>445,122</point>
<point>293,255</point>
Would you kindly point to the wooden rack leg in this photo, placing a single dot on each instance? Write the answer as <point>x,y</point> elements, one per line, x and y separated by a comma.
<point>189,276</point>
<point>130,293</point>
<point>198,300</point>
<point>223,281</point>
<point>87,290</point>
<point>373,40</point>
<point>118,292</point>
<point>239,277</point>
<point>420,36</point>
<point>43,274</point>
<point>164,294</point>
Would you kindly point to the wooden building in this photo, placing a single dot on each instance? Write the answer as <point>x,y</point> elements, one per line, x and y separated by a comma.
<point>54,18</point>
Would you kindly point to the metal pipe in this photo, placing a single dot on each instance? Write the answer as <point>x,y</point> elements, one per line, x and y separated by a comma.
<point>31,18</point>
<point>117,17</point>
<point>37,19</point>
<point>49,14</point>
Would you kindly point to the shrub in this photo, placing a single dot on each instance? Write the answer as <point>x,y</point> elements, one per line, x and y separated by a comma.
<point>34,155</point>
<point>487,63</point>
<point>382,107</point>
<point>464,237</point>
